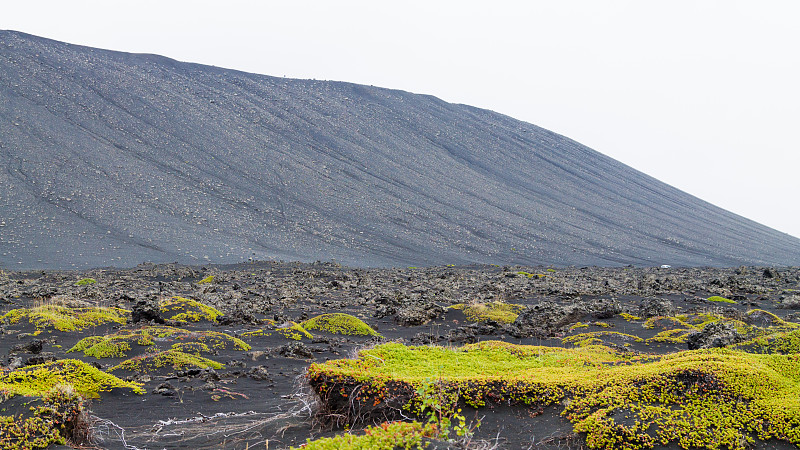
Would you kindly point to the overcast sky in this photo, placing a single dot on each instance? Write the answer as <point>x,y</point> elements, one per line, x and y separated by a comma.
<point>703,95</point>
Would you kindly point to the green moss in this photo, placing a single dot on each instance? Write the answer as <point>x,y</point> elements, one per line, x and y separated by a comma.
<point>117,345</point>
<point>86,281</point>
<point>206,280</point>
<point>594,337</point>
<point>497,311</point>
<point>63,318</point>
<point>717,298</point>
<point>175,359</point>
<point>186,310</point>
<point>37,380</point>
<point>696,399</point>
<point>629,317</point>
<point>338,323</point>
<point>53,419</point>
<point>294,331</point>
<point>387,436</point>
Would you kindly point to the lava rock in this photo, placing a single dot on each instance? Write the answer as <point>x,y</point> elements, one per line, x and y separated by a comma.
<point>33,347</point>
<point>295,350</point>
<point>654,307</point>
<point>146,310</point>
<point>715,334</point>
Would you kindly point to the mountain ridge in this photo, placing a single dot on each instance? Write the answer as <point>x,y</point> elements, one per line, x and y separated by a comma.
<point>114,158</point>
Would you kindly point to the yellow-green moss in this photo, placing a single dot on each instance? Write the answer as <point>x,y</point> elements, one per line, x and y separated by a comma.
<point>339,323</point>
<point>186,310</point>
<point>496,311</point>
<point>294,331</point>
<point>63,318</point>
<point>715,398</point>
<point>717,298</point>
<point>51,420</point>
<point>387,436</point>
<point>629,317</point>
<point>594,337</point>
<point>39,379</point>
<point>118,345</point>
<point>206,280</point>
<point>175,359</point>
<point>85,282</point>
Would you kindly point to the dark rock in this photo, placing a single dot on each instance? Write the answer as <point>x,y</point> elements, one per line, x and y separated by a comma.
<point>789,302</point>
<point>654,307</point>
<point>423,338</point>
<point>146,310</point>
<point>33,347</point>
<point>237,316</point>
<point>548,318</point>
<point>259,373</point>
<point>14,363</point>
<point>40,359</point>
<point>715,334</point>
<point>769,272</point>
<point>295,350</point>
<point>418,313</point>
<point>165,389</point>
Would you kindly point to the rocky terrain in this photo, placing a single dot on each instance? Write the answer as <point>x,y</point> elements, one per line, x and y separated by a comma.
<point>111,159</point>
<point>217,356</point>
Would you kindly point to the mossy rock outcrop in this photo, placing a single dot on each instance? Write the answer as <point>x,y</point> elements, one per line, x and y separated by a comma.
<point>119,344</point>
<point>716,398</point>
<point>386,436</point>
<point>63,318</point>
<point>184,310</point>
<point>339,323</point>
<point>85,379</point>
<point>495,311</point>
<point>168,359</point>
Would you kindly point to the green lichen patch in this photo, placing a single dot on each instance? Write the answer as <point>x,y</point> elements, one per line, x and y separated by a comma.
<point>37,380</point>
<point>387,436</point>
<point>718,299</point>
<point>150,339</point>
<point>629,317</point>
<point>85,282</point>
<point>496,311</point>
<point>207,280</point>
<point>175,359</point>
<point>186,310</point>
<point>294,331</point>
<point>64,318</point>
<point>710,399</point>
<point>339,323</point>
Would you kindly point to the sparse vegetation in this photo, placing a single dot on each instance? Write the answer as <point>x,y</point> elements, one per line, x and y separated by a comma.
<point>496,311</point>
<point>63,318</point>
<point>339,323</point>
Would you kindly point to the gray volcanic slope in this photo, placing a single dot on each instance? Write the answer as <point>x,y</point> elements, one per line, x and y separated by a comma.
<point>110,158</point>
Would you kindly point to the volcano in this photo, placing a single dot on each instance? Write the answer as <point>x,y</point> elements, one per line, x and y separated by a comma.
<point>112,159</point>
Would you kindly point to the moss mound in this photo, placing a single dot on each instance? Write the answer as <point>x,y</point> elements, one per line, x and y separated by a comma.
<point>496,311</point>
<point>36,381</point>
<point>718,299</point>
<point>64,318</point>
<point>696,399</point>
<point>173,358</point>
<point>387,436</point>
<point>58,415</point>
<point>186,310</point>
<point>339,323</point>
<point>119,344</point>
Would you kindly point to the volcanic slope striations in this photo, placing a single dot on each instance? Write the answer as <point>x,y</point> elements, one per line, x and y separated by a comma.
<point>110,158</point>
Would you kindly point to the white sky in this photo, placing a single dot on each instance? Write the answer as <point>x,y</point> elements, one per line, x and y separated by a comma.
<point>703,95</point>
